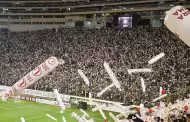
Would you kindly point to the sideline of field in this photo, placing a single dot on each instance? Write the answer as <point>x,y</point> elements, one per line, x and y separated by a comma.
<point>43,107</point>
<point>24,106</point>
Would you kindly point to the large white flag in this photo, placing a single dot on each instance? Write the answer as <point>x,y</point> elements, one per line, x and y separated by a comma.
<point>178,21</point>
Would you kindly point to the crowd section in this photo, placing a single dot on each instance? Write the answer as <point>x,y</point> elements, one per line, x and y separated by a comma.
<point>87,49</point>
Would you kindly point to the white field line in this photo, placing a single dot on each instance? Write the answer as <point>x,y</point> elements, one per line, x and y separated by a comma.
<point>6,108</point>
<point>26,106</point>
<point>31,106</point>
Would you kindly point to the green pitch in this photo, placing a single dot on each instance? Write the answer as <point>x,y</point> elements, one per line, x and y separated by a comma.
<point>36,112</point>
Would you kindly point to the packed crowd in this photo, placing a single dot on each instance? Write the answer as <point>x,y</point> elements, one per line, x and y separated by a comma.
<point>87,49</point>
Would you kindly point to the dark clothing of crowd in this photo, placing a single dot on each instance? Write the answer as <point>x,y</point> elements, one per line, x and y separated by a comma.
<point>87,49</point>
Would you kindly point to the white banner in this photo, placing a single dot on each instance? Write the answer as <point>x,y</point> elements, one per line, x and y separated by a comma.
<point>46,101</point>
<point>33,76</point>
<point>45,94</point>
<point>49,102</point>
<point>177,20</point>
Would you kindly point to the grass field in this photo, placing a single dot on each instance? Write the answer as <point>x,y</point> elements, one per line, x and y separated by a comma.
<point>36,112</point>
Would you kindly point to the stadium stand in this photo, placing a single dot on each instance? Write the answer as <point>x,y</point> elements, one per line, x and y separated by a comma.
<point>87,49</point>
<point>87,33</point>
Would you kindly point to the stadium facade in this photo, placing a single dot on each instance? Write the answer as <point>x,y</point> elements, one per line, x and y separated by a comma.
<point>27,15</point>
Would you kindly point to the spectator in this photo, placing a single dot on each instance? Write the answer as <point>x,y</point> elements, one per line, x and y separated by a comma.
<point>87,49</point>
